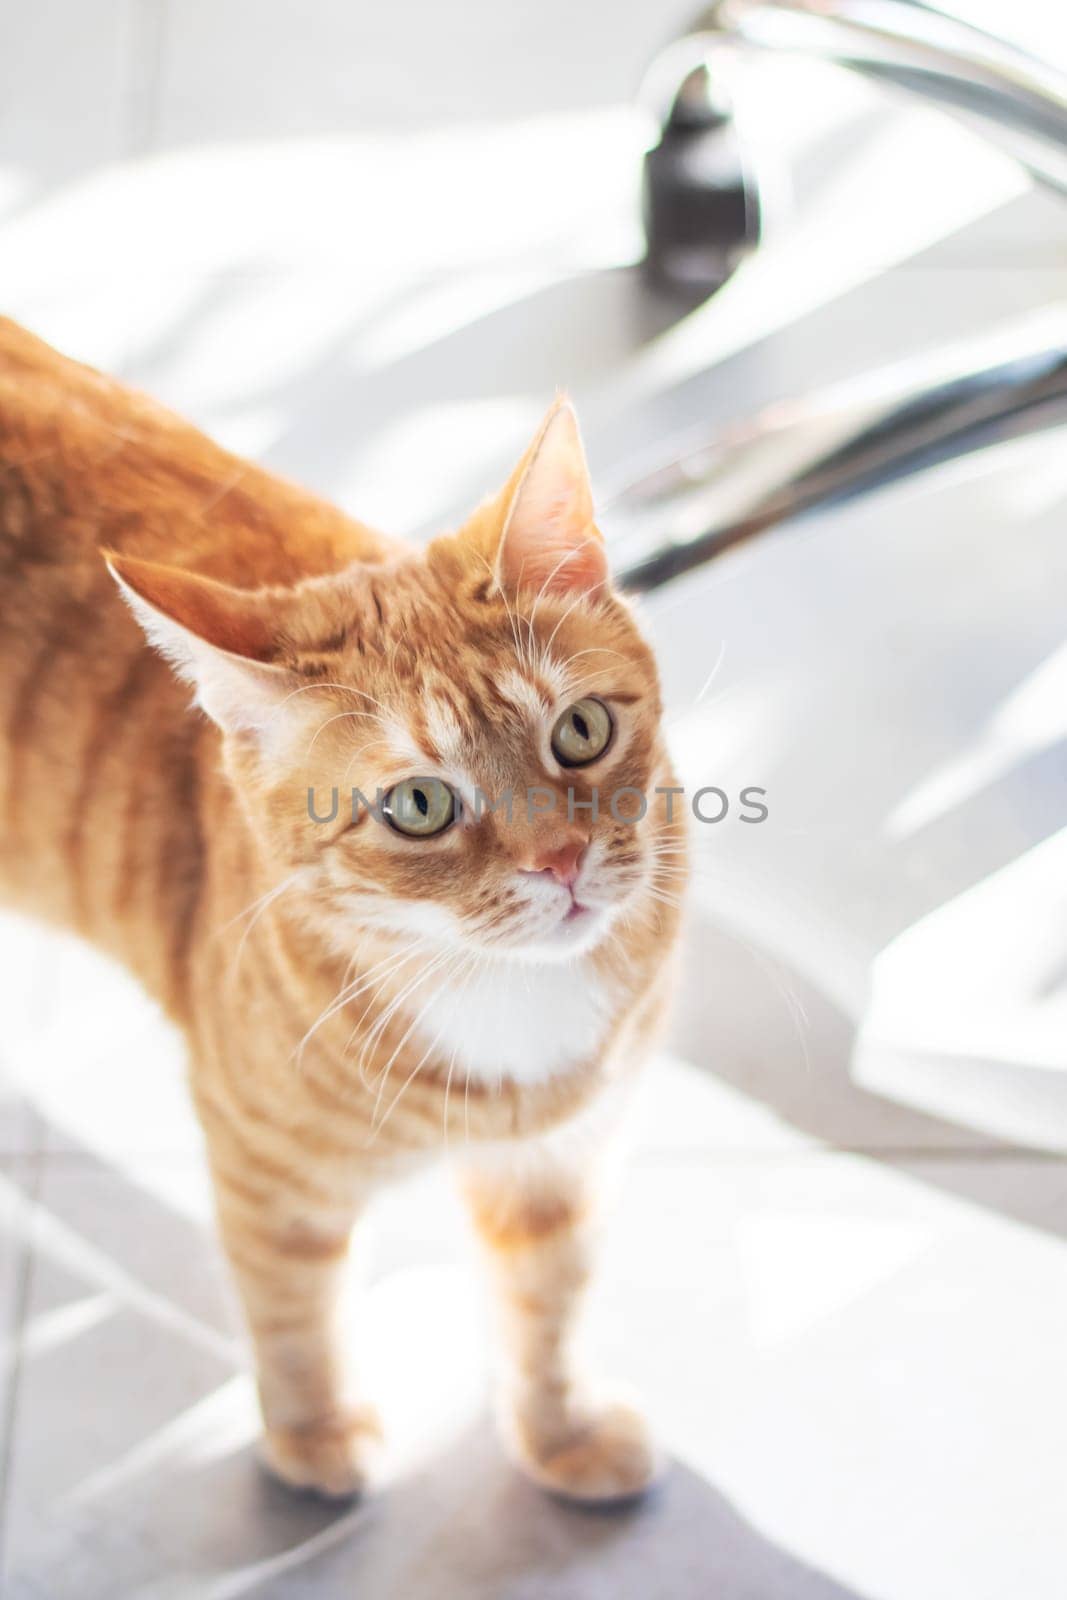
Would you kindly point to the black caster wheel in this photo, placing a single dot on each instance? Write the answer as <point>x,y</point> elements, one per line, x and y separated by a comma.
<point>700,201</point>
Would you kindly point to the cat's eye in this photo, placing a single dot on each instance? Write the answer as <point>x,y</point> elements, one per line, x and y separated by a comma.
<point>582,733</point>
<point>420,807</point>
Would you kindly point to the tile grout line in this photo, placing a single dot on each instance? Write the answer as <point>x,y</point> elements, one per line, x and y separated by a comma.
<point>684,1155</point>
<point>23,1290</point>
<point>885,1154</point>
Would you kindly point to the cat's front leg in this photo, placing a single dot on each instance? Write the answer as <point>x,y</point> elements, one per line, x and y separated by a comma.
<point>536,1215</point>
<point>289,1255</point>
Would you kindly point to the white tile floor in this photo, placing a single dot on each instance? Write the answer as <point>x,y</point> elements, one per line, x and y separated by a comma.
<point>853,1343</point>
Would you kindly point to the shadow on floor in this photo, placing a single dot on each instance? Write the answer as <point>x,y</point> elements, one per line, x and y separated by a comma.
<point>134,1470</point>
<point>797,1063</point>
<point>486,1532</point>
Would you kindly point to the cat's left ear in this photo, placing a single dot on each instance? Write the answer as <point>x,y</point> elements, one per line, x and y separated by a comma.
<point>222,640</point>
<point>549,540</point>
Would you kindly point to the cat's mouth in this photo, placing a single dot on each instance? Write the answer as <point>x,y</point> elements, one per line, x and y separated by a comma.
<point>571,920</point>
<point>576,931</point>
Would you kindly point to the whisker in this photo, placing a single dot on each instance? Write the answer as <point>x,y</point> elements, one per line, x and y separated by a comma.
<point>383,1077</point>
<point>309,688</point>
<point>383,1021</point>
<point>564,558</point>
<point>221,929</point>
<point>577,601</point>
<point>477,960</point>
<point>417,1068</point>
<point>260,906</point>
<point>341,716</point>
<point>350,990</point>
<point>713,674</point>
<point>354,758</point>
<point>595,650</point>
<point>507,608</point>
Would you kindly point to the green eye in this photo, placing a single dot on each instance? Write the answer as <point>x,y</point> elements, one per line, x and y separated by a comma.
<point>420,807</point>
<point>582,733</point>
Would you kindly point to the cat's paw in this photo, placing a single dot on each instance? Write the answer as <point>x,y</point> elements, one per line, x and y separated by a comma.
<point>335,1458</point>
<point>601,1456</point>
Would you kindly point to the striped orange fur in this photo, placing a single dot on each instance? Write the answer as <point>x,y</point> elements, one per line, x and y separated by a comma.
<point>355,1000</point>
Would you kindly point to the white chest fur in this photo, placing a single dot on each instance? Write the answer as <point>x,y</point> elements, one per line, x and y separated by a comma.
<point>518,1021</point>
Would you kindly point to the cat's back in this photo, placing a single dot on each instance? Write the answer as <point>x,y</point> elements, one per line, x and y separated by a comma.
<point>87,462</point>
<point>101,759</point>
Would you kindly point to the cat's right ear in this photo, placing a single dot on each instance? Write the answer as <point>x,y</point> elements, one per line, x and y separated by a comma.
<point>549,540</point>
<point>222,640</point>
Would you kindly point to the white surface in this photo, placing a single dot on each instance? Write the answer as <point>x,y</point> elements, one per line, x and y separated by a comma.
<point>848,1316</point>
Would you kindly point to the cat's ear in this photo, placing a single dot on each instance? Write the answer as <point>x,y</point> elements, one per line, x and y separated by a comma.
<point>220,639</point>
<point>549,540</point>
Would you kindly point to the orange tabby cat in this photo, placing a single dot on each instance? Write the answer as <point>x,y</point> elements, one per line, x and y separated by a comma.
<point>359,994</point>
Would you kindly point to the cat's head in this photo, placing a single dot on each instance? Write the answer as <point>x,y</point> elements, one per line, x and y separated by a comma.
<point>490,696</point>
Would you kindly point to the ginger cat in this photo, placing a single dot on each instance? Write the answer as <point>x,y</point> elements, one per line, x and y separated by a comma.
<point>427,976</point>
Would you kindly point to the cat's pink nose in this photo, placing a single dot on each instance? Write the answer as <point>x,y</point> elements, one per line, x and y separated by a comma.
<point>564,861</point>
